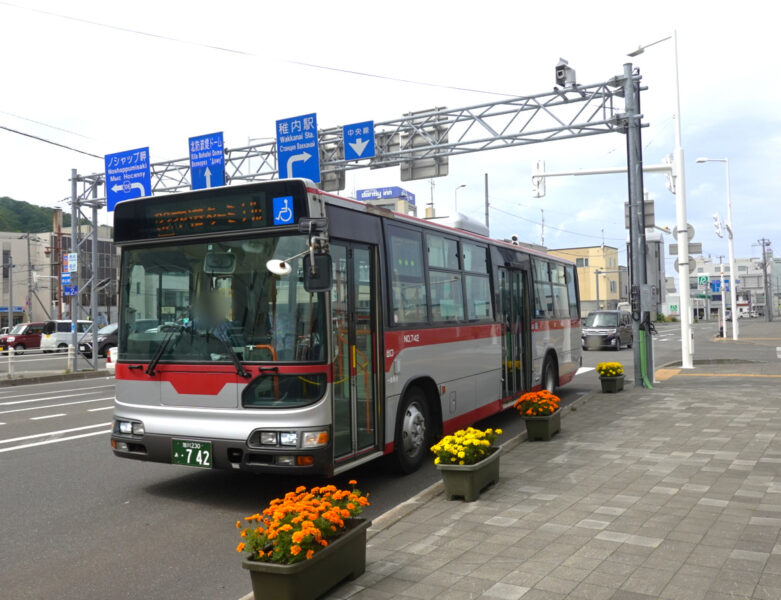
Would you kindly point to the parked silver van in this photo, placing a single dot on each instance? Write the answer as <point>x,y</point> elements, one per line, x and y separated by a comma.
<point>57,335</point>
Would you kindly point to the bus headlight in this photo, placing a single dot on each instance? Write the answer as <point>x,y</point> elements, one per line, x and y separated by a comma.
<point>268,438</point>
<point>288,438</point>
<point>129,427</point>
<point>314,439</point>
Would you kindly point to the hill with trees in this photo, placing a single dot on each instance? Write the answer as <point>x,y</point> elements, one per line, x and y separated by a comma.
<point>17,215</point>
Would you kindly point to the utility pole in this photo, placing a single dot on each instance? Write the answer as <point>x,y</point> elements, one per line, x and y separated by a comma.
<point>10,292</point>
<point>724,300</point>
<point>542,228</point>
<point>768,300</point>
<point>486,204</point>
<point>596,283</point>
<point>29,306</point>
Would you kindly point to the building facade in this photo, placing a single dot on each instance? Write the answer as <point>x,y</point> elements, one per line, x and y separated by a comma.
<point>599,276</point>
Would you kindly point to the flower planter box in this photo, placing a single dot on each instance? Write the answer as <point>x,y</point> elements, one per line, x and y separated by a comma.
<point>468,481</point>
<point>343,558</point>
<point>612,385</point>
<point>543,428</point>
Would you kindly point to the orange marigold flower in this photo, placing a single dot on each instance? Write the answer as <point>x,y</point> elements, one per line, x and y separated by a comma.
<point>352,482</point>
<point>238,524</point>
<point>240,547</point>
<point>295,549</point>
<point>310,553</point>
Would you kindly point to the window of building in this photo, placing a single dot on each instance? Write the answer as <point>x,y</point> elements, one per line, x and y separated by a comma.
<point>581,262</point>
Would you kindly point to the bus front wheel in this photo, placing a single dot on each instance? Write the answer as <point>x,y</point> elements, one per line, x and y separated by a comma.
<point>550,375</point>
<point>413,427</point>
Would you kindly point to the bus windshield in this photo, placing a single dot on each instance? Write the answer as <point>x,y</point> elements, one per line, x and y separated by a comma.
<point>213,301</point>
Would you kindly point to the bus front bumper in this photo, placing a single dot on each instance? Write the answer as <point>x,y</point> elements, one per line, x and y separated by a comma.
<point>224,454</point>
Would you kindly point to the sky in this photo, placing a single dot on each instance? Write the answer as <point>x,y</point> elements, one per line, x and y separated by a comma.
<point>102,77</point>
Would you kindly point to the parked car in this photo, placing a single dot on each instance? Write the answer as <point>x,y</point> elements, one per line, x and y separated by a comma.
<point>607,329</point>
<point>23,336</point>
<point>57,335</point>
<point>107,337</point>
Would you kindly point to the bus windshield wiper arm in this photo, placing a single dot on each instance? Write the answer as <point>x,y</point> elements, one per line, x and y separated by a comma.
<point>150,369</point>
<point>240,370</point>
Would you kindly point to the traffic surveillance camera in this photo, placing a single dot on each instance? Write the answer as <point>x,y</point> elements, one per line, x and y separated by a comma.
<point>514,240</point>
<point>565,75</point>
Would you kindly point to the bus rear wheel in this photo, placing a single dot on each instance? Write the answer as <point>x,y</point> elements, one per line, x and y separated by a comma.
<point>413,427</point>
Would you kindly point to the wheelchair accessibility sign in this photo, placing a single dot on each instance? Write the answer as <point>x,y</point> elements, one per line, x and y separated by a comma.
<point>283,211</point>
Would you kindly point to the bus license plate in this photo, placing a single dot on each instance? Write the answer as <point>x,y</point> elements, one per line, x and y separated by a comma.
<point>192,454</point>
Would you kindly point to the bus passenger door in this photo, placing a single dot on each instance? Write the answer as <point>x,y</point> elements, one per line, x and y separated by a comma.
<point>354,340</point>
<point>515,319</point>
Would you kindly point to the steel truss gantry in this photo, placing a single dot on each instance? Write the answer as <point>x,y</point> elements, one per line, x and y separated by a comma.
<point>420,143</point>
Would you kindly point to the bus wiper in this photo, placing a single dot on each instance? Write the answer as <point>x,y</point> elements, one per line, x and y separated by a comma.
<point>240,370</point>
<point>150,369</point>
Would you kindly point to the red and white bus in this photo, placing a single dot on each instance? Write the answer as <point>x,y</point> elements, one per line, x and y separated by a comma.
<point>275,327</point>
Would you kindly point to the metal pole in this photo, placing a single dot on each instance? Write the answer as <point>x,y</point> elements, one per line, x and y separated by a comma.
<point>733,273</point>
<point>596,283</point>
<point>93,287</point>
<point>10,291</point>
<point>29,281</point>
<point>724,302</point>
<point>687,358</point>
<point>74,248</point>
<point>486,206</point>
<point>636,225</point>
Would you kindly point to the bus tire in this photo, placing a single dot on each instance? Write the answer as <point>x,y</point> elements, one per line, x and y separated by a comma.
<point>413,431</point>
<point>550,374</point>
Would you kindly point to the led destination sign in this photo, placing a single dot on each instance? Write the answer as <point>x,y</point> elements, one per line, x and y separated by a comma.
<point>248,207</point>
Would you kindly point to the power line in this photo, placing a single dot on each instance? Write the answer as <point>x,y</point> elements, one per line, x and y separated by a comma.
<point>251,54</point>
<point>40,139</point>
<point>599,237</point>
<point>45,124</point>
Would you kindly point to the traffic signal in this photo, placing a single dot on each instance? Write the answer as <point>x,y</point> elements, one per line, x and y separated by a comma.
<point>717,224</point>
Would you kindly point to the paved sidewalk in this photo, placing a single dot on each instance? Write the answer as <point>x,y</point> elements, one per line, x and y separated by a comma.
<point>671,493</point>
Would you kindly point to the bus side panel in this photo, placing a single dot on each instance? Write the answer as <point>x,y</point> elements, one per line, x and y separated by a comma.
<point>467,371</point>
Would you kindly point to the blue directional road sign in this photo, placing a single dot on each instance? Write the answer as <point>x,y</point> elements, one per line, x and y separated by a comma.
<point>70,290</point>
<point>358,140</point>
<point>127,176</point>
<point>207,161</point>
<point>298,149</point>
<point>65,278</point>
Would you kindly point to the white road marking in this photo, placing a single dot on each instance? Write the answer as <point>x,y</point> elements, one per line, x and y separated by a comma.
<point>44,399</point>
<point>102,408</point>
<point>582,370</point>
<point>5,412</point>
<point>94,387</point>
<point>37,435</point>
<point>58,440</point>
<point>47,417</point>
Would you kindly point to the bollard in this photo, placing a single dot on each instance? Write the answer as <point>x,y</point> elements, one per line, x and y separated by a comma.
<point>71,356</point>
<point>10,362</point>
<point>721,332</point>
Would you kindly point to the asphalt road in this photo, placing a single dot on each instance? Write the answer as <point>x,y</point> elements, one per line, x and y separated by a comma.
<point>79,523</point>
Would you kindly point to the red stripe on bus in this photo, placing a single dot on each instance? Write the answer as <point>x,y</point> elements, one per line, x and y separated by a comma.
<point>543,325</point>
<point>396,341</point>
<point>211,379</point>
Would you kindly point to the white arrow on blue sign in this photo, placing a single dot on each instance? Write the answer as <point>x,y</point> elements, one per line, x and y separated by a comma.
<point>128,176</point>
<point>359,140</point>
<point>298,149</point>
<point>207,161</point>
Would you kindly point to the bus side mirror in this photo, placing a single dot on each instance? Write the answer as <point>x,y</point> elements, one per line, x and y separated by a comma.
<point>317,276</point>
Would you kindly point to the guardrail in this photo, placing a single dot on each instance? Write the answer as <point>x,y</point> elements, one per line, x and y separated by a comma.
<point>34,362</point>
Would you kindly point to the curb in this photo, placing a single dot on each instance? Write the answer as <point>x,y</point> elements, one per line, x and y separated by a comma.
<point>52,378</point>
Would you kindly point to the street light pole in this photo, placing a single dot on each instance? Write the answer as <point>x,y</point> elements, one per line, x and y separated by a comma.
<point>687,359</point>
<point>455,197</point>
<point>733,277</point>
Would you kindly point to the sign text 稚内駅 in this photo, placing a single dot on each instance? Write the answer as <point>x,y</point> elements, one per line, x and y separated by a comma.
<point>298,150</point>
